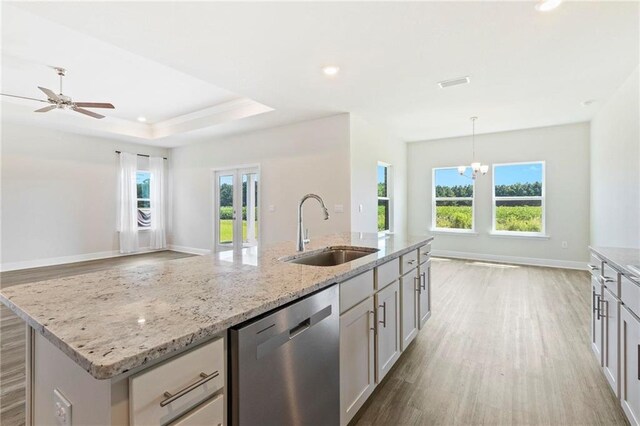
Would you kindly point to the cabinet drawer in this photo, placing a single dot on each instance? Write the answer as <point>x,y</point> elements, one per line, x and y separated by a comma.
<point>595,265</point>
<point>190,378</point>
<point>387,273</point>
<point>408,261</point>
<point>355,290</point>
<point>609,278</point>
<point>211,413</point>
<point>630,294</point>
<point>424,253</point>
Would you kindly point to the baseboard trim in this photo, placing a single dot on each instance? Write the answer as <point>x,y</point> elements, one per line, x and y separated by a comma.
<point>190,250</point>
<point>52,261</point>
<point>530,261</point>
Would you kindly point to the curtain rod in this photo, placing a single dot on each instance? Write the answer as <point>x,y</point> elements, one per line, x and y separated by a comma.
<point>141,155</point>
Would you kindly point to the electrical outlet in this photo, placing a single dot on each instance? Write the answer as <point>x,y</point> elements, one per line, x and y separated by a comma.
<point>565,245</point>
<point>61,409</point>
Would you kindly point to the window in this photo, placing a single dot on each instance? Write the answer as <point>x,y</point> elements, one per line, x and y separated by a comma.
<point>143,180</point>
<point>452,201</point>
<point>518,198</point>
<point>384,198</point>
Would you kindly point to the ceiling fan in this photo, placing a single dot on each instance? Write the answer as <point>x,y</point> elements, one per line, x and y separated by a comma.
<point>61,101</point>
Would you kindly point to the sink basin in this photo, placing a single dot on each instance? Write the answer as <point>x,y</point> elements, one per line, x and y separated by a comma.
<point>331,256</point>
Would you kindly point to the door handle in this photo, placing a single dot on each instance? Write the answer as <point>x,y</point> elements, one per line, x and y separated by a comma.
<point>417,287</point>
<point>597,306</point>
<point>423,281</point>
<point>372,328</point>
<point>384,314</point>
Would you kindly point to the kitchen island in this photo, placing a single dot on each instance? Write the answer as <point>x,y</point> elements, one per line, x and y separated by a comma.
<point>91,336</point>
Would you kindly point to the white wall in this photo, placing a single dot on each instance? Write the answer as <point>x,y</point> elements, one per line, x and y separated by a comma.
<point>296,159</point>
<point>615,168</point>
<point>369,145</point>
<point>565,149</point>
<point>59,195</point>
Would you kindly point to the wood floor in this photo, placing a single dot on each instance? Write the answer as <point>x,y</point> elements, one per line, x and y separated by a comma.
<point>12,331</point>
<point>504,345</point>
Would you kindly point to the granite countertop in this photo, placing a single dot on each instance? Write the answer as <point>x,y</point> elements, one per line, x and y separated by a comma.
<point>113,321</point>
<point>623,259</point>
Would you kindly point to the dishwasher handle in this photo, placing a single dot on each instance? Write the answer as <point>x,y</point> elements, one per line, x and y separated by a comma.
<point>304,325</point>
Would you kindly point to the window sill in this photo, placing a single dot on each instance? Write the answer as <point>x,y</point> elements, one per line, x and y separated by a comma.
<point>525,235</point>
<point>441,231</point>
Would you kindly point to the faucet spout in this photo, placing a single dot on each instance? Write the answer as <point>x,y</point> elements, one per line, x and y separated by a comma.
<point>300,237</point>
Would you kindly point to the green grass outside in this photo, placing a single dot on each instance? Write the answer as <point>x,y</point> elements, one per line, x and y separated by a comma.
<point>508,218</point>
<point>226,230</point>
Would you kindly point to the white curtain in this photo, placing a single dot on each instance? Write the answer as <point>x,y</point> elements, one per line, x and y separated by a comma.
<point>127,203</point>
<point>158,237</point>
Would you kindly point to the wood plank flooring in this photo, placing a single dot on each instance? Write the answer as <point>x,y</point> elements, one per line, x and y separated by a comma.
<point>12,331</point>
<point>504,345</point>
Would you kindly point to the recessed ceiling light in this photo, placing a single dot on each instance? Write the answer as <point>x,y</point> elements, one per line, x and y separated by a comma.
<point>453,82</point>
<point>330,70</point>
<point>142,119</point>
<point>547,5</point>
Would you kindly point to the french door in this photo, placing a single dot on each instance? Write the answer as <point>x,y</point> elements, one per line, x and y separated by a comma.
<point>236,208</point>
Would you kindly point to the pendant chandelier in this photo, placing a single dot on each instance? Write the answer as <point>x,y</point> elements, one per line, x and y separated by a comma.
<point>477,169</point>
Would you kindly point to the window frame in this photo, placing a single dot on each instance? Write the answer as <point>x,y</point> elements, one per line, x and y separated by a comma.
<point>143,228</point>
<point>434,199</point>
<point>388,198</point>
<point>541,198</point>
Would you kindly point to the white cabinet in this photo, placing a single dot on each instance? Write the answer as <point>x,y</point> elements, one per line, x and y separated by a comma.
<point>387,329</point>
<point>596,318</point>
<point>630,365</point>
<point>210,413</point>
<point>424,293</point>
<point>409,308</point>
<point>611,316</point>
<point>357,358</point>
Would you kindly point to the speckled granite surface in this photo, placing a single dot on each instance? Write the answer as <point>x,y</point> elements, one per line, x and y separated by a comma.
<point>113,321</point>
<point>621,259</point>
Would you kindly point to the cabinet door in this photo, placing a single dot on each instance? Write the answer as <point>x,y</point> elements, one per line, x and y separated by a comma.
<point>409,308</point>
<point>630,365</point>
<point>611,316</point>
<point>424,293</point>
<point>596,319</point>
<point>357,360</point>
<point>388,329</point>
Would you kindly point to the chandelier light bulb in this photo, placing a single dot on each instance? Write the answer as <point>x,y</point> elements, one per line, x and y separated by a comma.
<point>484,169</point>
<point>462,169</point>
<point>475,167</point>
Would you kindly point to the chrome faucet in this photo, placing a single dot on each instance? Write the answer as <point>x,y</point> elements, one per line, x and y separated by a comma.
<point>301,239</point>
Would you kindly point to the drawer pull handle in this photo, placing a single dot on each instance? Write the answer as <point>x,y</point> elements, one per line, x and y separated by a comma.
<point>411,262</point>
<point>606,279</point>
<point>598,307</point>
<point>204,378</point>
<point>593,267</point>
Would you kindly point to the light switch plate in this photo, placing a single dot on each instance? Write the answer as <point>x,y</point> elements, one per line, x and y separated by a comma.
<point>61,409</point>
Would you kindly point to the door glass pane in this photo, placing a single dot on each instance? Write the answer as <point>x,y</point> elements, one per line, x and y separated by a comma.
<point>523,216</point>
<point>454,214</point>
<point>225,195</point>
<point>249,209</point>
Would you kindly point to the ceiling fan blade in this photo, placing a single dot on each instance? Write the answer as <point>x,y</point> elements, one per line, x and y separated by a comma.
<point>87,112</point>
<point>94,105</point>
<point>47,108</point>
<point>23,97</point>
<point>50,94</point>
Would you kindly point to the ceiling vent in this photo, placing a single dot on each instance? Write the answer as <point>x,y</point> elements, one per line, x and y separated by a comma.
<point>454,82</point>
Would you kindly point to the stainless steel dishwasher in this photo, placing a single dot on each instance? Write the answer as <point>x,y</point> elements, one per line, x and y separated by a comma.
<point>285,366</point>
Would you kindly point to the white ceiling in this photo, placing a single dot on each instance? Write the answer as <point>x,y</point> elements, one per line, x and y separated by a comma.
<point>527,68</point>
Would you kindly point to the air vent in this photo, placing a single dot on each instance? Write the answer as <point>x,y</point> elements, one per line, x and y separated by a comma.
<point>453,82</point>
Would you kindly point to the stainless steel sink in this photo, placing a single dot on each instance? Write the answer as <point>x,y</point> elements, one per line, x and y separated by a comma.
<point>331,256</point>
